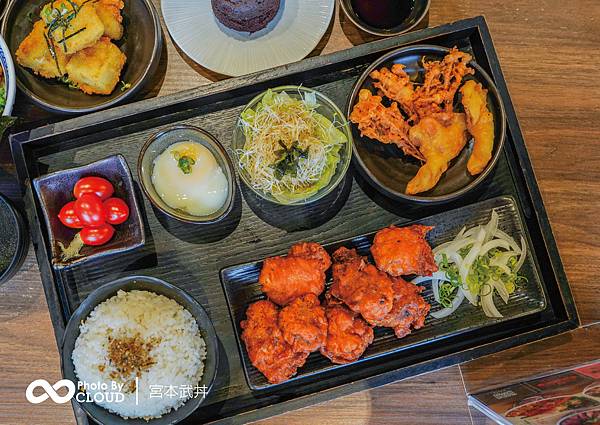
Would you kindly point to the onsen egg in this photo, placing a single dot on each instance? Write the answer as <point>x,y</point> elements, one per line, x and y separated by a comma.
<point>187,177</point>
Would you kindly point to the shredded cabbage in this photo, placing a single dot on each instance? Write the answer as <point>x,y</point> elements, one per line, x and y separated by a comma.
<point>291,151</point>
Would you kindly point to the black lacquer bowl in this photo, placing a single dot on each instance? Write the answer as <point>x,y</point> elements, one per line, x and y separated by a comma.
<point>13,240</point>
<point>418,16</point>
<point>141,43</point>
<point>388,169</point>
<point>160,287</point>
<point>56,189</point>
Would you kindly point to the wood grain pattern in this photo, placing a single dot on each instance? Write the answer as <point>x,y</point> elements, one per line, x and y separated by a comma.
<point>549,51</point>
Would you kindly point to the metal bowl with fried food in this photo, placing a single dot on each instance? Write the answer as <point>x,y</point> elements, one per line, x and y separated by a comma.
<point>79,57</point>
<point>428,124</point>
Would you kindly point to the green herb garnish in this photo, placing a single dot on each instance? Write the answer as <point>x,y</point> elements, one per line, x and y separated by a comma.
<point>124,85</point>
<point>288,159</point>
<point>185,164</point>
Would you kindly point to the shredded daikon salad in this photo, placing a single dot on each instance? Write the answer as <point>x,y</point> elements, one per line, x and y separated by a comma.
<point>291,151</point>
<point>478,262</point>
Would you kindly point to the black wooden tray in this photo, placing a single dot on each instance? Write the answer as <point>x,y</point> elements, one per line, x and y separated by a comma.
<point>241,287</point>
<point>192,257</point>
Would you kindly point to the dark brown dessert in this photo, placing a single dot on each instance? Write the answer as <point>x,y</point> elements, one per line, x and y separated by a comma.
<point>245,15</point>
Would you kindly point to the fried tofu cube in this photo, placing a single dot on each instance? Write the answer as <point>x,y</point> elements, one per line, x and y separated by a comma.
<point>34,53</point>
<point>97,69</point>
<point>109,12</point>
<point>72,26</point>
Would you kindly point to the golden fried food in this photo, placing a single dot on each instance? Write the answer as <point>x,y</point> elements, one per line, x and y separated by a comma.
<point>34,53</point>
<point>299,273</point>
<point>72,26</point>
<point>442,79</point>
<point>395,85</point>
<point>303,323</point>
<point>403,250</point>
<point>96,70</point>
<point>348,336</point>
<point>386,125</point>
<point>440,138</point>
<point>267,350</point>
<point>409,310</point>
<point>109,12</point>
<point>361,286</point>
<point>480,123</point>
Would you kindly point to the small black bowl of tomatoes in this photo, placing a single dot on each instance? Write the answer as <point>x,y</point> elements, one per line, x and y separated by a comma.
<point>90,211</point>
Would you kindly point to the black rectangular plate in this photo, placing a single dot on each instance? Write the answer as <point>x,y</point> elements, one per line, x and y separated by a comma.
<point>241,287</point>
<point>191,257</point>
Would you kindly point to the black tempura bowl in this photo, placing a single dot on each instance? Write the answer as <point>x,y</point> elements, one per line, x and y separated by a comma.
<point>160,287</point>
<point>141,43</point>
<point>388,169</point>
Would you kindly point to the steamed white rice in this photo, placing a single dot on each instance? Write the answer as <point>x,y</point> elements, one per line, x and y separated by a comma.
<point>178,355</point>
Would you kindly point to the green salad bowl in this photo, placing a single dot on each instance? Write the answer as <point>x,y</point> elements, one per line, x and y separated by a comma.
<point>335,135</point>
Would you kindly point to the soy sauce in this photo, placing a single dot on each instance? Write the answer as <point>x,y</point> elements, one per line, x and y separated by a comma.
<point>383,14</point>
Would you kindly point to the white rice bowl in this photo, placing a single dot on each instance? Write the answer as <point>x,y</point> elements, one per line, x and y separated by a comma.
<point>178,356</point>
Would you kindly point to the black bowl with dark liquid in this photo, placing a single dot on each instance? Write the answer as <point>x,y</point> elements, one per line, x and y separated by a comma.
<point>386,17</point>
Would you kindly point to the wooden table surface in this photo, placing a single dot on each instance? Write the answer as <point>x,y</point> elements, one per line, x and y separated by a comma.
<point>550,54</point>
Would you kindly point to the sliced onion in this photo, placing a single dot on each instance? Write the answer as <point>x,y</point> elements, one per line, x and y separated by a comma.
<point>496,243</point>
<point>439,275</point>
<point>457,301</point>
<point>487,304</point>
<point>435,287</point>
<point>501,288</point>
<point>491,227</point>
<point>522,257</point>
<point>470,296</point>
<point>513,245</point>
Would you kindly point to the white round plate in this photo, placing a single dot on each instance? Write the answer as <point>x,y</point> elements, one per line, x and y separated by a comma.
<point>294,32</point>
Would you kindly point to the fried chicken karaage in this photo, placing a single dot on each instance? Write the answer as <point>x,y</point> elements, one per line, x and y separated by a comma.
<point>303,323</point>
<point>403,250</point>
<point>480,124</point>
<point>361,286</point>
<point>266,346</point>
<point>409,309</point>
<point>386,125</point>
<point>301,272</point>
<point>440,138</point>
<point>348,335</point>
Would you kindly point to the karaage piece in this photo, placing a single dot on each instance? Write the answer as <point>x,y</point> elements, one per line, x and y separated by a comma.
<point>480,124</point>
<point>442,79</point>
<point>265,344</point>
<point>72,26</point>
<point>409,310</point>
<point>348,336</point>
<point>40,54</point>
<point>395,85</point>
<point>109,12</point>
<point>303,323</point>
<point>440,138</point>
<point>386,125</point>
<point>97,69</point>
<point>301,272</point>
<point>361,286</point>
<point>402,251</point>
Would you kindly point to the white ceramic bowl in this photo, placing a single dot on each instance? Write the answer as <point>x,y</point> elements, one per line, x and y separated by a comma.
<point>9,77</point>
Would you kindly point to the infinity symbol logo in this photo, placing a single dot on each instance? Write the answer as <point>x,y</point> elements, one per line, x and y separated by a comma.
<point>50,391</point>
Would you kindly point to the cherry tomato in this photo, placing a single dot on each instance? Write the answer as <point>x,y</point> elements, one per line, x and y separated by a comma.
<point>68,217</point>
<point>96,185</point>
<point>117,210</point>
<point>90,210</point>
<point>97,235</point>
